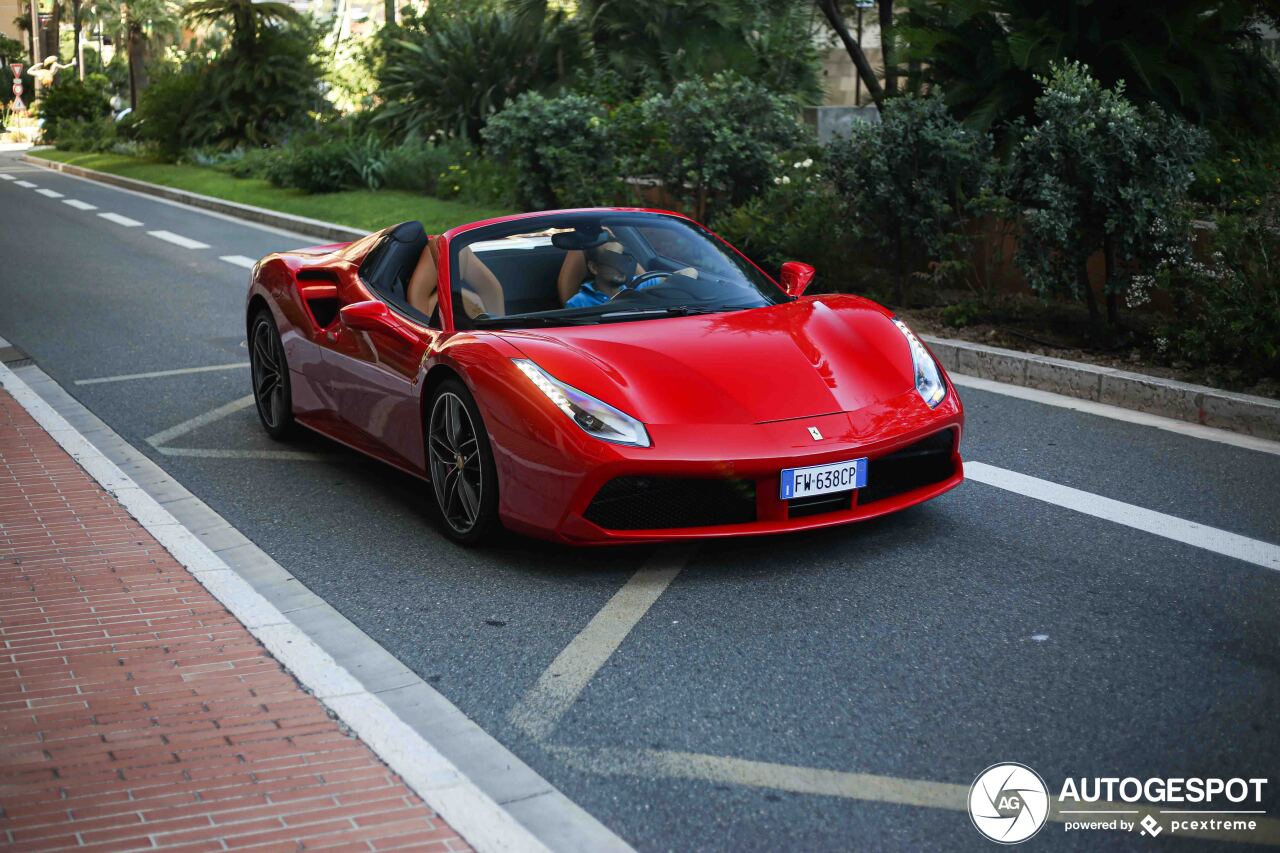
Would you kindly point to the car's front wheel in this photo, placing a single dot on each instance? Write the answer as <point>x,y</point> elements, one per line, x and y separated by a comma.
<point>461,464</point>
<point>271,390</point>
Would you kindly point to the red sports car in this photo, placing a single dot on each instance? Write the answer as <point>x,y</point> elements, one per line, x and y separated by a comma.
<point>603,375</point>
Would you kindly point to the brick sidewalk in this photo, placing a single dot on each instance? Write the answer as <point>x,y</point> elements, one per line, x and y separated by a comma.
<point>136,712</point>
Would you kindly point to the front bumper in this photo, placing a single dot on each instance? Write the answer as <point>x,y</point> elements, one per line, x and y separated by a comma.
<point>551,495</point>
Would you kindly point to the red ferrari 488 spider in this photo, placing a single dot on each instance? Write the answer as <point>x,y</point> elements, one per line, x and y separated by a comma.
<point>603,375</point>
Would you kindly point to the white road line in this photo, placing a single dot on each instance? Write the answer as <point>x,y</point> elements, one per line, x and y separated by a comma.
<point>27,184</point>
<point>303,239</point>
<point>178,240</point>
<point>5,176</point>
<point>155,374</point>
<point>120,220</point>
<point>481,820</point>
<point>79,205</point>
<point>1048,398</point>
<point>167,435</point>
<point>666,764</point>
<point>562,682</point>
<point>1254,551</point>
<point>239,260</point>
<point>50,193</point>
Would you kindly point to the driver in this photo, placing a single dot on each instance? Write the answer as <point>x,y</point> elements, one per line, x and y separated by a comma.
<point>611,268</point>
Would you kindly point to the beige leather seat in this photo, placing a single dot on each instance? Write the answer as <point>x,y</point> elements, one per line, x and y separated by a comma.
<point>423,284</point>
<point>479,278</point>
<point>573,272</point>
<point>483,294</point>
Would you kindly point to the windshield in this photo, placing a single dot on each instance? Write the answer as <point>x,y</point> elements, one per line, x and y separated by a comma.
<point>598,267</point>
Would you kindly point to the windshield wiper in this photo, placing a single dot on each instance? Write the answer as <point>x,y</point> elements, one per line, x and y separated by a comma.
<point>517,321</point>
<point>671,311</point>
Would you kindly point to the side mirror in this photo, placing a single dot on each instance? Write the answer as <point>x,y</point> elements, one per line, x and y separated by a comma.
<point>368,316</point>
<point>374,316</point>
<point>796,277</point>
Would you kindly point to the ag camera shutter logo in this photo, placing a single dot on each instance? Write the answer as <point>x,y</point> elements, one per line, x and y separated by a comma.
<point>1008,803</point>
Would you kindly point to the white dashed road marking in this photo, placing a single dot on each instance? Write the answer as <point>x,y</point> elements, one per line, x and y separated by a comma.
<point>664,764</point>
<point>79,205</point>
<point>50,193</point>
<point>200,420</point>
<point>239,260</point>
<point>155,374</point>
<point>27,184</point>
<point>1222,542</point>
<point>120,220</point>
<point>178,240</point>
<point>7,177</point>
<point>559,686</point>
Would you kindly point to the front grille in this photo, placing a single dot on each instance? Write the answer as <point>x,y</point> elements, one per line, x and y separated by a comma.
<point>658,503</point>
<point>921,464</point>
<point>818,504</point>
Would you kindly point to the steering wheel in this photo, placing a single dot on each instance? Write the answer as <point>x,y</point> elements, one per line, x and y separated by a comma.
<point>635,283</point>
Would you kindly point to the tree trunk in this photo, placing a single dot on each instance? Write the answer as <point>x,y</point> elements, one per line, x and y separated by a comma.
<point>53,36</point>
<point>900,269</point>
<point>133,53</point>
<point>831,12</point>
<point>389,11</point>
<point>35,47</point>
<point>76,53</point>
<point>1113,298</point>
<point>1082,281</point>
<point>888,48</point>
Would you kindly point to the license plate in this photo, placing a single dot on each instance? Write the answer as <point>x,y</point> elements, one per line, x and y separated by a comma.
<point>822,479</point>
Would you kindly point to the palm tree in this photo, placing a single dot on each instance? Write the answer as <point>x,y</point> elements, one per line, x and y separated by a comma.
<point>244,18</point>
<point>1202,59</point>
<point>139,24</point>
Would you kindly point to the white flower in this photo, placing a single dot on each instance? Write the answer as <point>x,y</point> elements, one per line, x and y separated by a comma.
<point>808,161</point>
<point>786,179</point>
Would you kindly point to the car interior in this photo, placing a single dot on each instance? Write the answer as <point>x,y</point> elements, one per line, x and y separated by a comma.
<point>522,273</point>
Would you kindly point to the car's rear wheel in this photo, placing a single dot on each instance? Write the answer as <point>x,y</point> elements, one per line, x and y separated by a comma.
<point>271,390</point>
<point>460,460</point>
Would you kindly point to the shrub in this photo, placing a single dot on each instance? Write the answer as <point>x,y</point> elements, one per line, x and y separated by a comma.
<point>912,181</point>
<point>1238,175</point>
<point>171,112</point>
<point>454,71</point>
<point>793,220</point>
<point>715,143</point>
<point>1096,173</point>
<point>258,99</point>
<point>368,161</point>
<point>233,100</point>
<point>560,149</point>
<point>1227,308</point>
<point>96,135</point>
<point>413,166</point>
<point>322,167</point>
<point>74,100</point>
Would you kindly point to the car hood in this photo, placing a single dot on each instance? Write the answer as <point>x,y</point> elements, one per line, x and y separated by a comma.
<point>815,356</point>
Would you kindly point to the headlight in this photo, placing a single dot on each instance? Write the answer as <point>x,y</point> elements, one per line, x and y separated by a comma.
<point>928,377</point>
<point>596,418</point>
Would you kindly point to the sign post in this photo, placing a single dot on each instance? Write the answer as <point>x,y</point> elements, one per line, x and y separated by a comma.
<point>18,106</point>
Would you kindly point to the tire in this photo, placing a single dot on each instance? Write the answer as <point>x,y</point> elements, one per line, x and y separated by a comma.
<point>460,463</point>
<point>272,393</point>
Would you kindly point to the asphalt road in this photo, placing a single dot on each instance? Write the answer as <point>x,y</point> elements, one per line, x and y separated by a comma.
<point>984,626</point>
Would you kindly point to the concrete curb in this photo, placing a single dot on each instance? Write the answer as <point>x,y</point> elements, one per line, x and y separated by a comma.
<point>1244,413</point>
<point>301,224</point>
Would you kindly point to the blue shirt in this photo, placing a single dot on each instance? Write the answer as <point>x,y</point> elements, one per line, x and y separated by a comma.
<point>588,295</point>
